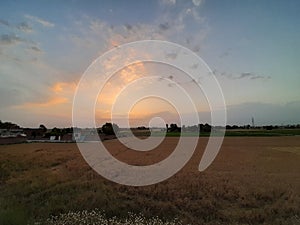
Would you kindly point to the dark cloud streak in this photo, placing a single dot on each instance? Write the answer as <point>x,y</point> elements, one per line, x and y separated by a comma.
<point>24,27</point>
<point>10,39</point>
<point>164,26</point>
<point>243,75</point>
<point>35,48</point>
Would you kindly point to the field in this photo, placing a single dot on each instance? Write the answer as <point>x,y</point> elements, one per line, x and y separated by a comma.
<point>239,133</point>
<point>254,180</point>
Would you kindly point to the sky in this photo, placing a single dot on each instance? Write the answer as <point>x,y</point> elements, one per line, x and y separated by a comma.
<point>252,48</point>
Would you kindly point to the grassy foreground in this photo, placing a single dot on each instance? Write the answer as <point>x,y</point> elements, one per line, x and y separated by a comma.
<point>252,181</point>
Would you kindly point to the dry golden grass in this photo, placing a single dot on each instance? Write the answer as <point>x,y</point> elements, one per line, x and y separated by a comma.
<point>254,180</point>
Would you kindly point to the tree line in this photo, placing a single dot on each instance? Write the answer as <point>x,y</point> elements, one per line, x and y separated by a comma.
<point>112,128</point>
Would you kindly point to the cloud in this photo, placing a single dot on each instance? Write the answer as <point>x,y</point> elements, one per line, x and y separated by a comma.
<point>63,87</point>
<point>122,78</point>
<point>190,12</point>
<point>197,2</point>
<point>15,34</point>
<point>164,26</point>
<point>25,71</point>
<point>43,22</point>
<point>128,27</point>
<point>260,77</point>
<point>251,76</point>
<point>87,38</point>
<point>24,27</point>
<point>96,36</point>
<point>49,103</point>
<point>35,48</point>
<point>10,39</point>
<point>243,75</point>
<point>60,95</point>
<point>168,2</point>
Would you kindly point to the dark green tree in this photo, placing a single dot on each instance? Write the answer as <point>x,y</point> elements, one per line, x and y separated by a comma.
<point>42,127</point>
<point>110,129</point>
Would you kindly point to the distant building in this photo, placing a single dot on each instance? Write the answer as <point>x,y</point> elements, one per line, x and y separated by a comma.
<point>11,132</point>
<point>12,136</point>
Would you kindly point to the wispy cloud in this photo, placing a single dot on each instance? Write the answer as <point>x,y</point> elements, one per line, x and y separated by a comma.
<point>43,22</point>
<point>254,77</point>
<point>10,39</point>
<point>90,32</point>
<point>251,76</point>
<point>18,40</point>
<point>164,26</point>
<point>60,94</point>
<point>88,37</point>
<point>168,2</point>
<point>24,27</point>
<point>198,2</point>
<point>35,49</point>
<point>49,103</point>
<point>243,75</point>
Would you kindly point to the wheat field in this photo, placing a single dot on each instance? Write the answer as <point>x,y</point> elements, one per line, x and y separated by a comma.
<point>253,180</point>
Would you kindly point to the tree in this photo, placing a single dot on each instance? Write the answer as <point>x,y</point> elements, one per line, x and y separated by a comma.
<point>42,126</point>
<point>174,128</point>
<point>205,128</point>
<point>110,129</point>
<point>8,125</point>
<point>55,132</point>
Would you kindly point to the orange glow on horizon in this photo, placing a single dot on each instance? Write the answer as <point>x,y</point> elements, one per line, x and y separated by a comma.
<point>61,93</point>
<point>49,103</point>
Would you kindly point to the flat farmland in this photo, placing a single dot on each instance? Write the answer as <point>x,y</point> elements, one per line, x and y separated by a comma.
<point>253,180</point>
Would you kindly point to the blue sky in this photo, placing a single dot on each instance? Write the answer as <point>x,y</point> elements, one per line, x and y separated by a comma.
<point>252,47</point>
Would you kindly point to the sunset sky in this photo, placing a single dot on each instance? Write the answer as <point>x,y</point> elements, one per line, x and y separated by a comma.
<point>252,47</point>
